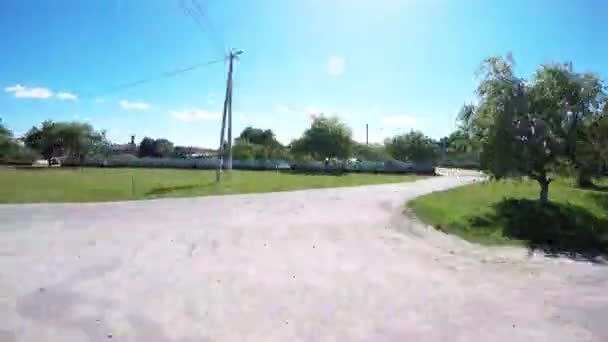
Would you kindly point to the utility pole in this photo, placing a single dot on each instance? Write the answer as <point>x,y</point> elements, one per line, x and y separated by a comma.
<point>366,134</point>
<point>227,114</point>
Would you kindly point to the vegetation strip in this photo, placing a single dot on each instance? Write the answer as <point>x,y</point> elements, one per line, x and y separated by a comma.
<point>99,184</point>
<point>507,212</point>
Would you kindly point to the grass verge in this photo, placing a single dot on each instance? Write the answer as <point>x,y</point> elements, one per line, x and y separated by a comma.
<point>98,184</point>
<point>507,212</point>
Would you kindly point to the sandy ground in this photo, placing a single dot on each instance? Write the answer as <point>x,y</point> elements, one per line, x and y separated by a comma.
<point>316,265</point>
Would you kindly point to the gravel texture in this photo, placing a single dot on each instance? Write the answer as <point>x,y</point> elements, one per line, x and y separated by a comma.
<point>316,265</point>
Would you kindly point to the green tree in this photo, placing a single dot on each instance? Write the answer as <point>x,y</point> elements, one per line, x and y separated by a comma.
<point>163,148</point>
<point>76,139</point>
<point>243,151</point>
<point>258,136</point>
<point>526,127</point>
<point>592,150</point>
<point>459,141</point>
<point>256,143</point>
<point>69,139</point>
<point>412,146</point>
<point>577,99</point>
<point>327,137</point>
<point>100,145</point>
<point>371,152</point>
<point>146,147</point>
<point>43,140</point>
<point>7,145</point>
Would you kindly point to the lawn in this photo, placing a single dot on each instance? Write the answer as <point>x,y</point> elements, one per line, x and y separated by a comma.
<point>98,184</point>
<point>507,212</point>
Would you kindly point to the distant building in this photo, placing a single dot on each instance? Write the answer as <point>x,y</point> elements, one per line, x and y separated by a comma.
<point>129,148</point>
<point>194,152</point>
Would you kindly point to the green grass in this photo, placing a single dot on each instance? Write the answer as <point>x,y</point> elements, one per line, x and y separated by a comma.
<point>507,212</point>
<point>98,184</point>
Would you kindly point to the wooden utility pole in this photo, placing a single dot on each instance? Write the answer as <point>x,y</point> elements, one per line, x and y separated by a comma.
<point>227,116</point>
<point>366,134</point>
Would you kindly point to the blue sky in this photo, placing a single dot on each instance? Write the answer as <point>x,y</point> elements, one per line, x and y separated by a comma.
<point>394,64</point>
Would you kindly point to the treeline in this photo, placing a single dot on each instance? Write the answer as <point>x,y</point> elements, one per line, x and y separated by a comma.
<point>52,139</point>
<point>329,138</point>
<point>326,139</point>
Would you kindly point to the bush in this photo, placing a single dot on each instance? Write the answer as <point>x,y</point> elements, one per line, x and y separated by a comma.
<point>462,160</point>
<point>20,155</point>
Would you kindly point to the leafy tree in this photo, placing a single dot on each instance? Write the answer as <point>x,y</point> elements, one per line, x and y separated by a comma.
<point>163,148</point>
<point>146,147</point>
<point>327,137</point>
<point>256,143</point>
<point>43,140</point>
<point>7,145</point>
<point>526,128</point>
<point>70,139</point>
<point>258,136</point>
<point>412,146</point>
<point>11,150</point>
<point>371,152</point>
<point>458,141</point>
<point>516,137</point>
<point>242,151</point>
<point>100,146</point>
<point>577,100</point>
<point>592,150</point>
<point>76,139</point>
<point>4,132</point>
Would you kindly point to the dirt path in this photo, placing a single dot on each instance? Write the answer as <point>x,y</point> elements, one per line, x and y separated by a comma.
<point>315,265</point>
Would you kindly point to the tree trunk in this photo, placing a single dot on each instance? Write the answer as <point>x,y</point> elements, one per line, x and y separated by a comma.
<point>544,190</point>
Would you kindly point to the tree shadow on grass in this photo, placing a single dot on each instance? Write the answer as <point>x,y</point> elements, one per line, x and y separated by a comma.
<point>169,189</point>
<point>557,229</point>
<point>601,199</point>
<point>315,173</point>
<point>595,187</point>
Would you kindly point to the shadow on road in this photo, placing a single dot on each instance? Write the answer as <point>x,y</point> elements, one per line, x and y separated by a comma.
<point>557,229</point>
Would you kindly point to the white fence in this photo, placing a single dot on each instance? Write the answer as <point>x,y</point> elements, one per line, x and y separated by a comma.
<point>211,163</point>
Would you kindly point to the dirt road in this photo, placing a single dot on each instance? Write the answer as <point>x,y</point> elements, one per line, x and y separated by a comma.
<point>317,265</point>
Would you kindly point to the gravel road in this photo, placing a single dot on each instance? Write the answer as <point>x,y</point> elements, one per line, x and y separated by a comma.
<point>316,265</point>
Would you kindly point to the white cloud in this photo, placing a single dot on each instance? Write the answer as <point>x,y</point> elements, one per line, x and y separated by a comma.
<point>400,120</point>
<point>33,93</point>
<point>99,100</point>
<point>66,96</point>
<point>282,109</point>
<point>195,114</point>
<point>335,65</point>
<point>124,104</point>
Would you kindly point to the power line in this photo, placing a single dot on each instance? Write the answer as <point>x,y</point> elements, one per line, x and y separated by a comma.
<point>198,15</point>
<point>164,75</point>
<point>212,32</point>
